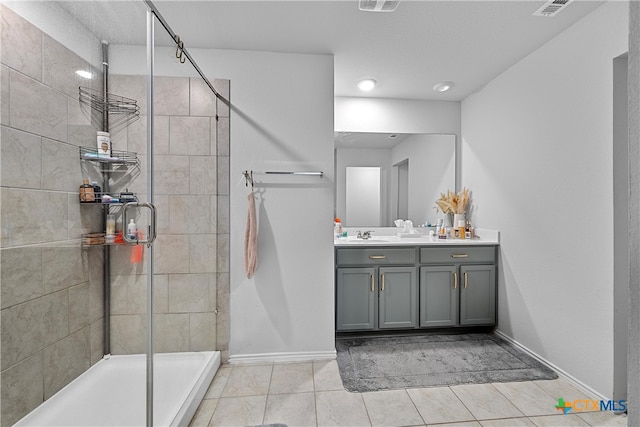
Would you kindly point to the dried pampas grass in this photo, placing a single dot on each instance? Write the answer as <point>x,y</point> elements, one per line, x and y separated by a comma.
<point>452,203</point>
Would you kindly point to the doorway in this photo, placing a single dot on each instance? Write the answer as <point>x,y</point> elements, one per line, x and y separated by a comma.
<point>402,172</point>
<point>620,226</point>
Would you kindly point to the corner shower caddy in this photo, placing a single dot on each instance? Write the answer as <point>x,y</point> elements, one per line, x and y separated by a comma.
<point>116,112</point>
<point>118,161</point>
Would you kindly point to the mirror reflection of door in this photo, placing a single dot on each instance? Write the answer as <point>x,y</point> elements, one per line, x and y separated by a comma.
<point>402,172</point>
<point>363,196</point>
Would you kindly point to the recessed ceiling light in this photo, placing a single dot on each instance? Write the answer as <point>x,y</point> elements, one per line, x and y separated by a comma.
<point>366,84</point>
<point>443,86</point>
<point>84,74</point>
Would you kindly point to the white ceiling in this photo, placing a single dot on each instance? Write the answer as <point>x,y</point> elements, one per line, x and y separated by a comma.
<point>406,51</point>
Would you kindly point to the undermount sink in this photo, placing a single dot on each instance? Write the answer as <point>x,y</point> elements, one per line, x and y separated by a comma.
<point>385,239</point>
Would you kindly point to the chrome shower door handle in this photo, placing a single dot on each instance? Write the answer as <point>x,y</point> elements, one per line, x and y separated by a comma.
<point>152,225</point>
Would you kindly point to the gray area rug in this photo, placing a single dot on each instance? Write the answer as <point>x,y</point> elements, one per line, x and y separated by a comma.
<point>386,363</point>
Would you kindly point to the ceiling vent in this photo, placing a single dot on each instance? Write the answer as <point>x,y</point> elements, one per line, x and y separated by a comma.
<point>378,5</point>
<point>552,8</point>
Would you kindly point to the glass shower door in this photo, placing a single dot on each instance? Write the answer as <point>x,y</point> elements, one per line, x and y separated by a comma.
<point>187,160</point>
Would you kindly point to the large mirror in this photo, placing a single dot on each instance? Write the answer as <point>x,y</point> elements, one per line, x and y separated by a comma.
<point>381,177</point>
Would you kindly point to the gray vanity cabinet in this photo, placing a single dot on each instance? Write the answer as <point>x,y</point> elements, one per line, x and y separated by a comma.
<point>438,296</point>
<point>371,294</point>
<point>386,288</point>
<point>356,299</point>
<point>457,286</point>
<point>397,307</point>
<point>478,295</point>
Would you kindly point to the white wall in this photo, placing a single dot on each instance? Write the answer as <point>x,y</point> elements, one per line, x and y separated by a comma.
<point>281,120</point>
<point>396,115</point>
<point>537,154</point>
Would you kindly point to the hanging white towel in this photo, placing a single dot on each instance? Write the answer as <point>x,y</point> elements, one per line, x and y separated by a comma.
<point>251,239</point>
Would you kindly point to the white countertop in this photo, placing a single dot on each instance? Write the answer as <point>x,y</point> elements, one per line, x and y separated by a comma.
<point>387,236</point>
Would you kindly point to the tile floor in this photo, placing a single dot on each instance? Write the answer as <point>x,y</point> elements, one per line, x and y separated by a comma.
<point>311,394</point>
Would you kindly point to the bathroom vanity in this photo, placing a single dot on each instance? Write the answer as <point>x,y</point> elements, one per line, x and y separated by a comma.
<point>392,283</point>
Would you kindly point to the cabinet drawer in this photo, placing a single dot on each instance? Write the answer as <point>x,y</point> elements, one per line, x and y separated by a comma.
<point>373,256</point>
<point>468,254</point>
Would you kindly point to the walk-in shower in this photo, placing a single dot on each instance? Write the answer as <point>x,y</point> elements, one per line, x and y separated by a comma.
<point>113,334</point>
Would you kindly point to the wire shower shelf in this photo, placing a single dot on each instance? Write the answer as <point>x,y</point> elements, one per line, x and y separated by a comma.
<point>122,111</point>
<point>117,156</point>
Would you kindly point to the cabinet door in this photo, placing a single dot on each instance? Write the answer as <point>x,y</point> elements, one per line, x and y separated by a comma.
<point>439,295</point>
<point>356,299</point>
<point>478,295</point>
<point>398,296</point>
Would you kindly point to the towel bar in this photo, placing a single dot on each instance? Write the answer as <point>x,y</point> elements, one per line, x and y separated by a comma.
<point>248,175</point>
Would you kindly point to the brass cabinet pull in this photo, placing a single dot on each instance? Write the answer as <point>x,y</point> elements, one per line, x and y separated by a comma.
<point>465,280</point>
<point>459,256</point>
<point>382,278</point>
<point>372,285</point>
<point>455,280</point>
<point>377,256</point>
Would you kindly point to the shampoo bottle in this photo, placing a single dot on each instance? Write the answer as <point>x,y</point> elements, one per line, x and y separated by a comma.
<point>337,228</point>
<point>97,191</point>
<point>131,230</point>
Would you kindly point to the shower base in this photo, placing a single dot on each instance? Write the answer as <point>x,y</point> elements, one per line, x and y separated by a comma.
<point>113,392</point>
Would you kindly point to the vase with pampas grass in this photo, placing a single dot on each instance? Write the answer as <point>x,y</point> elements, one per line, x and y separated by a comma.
<point>454,205</point>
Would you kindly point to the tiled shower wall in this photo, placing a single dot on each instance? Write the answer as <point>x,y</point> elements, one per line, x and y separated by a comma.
<point>51,288</point>
<point>191,193</point>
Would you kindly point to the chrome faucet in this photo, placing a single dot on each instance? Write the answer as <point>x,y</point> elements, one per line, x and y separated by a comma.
<point>364,235</point>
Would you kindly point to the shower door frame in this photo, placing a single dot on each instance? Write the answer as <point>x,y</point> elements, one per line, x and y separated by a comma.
<point>150,271</point>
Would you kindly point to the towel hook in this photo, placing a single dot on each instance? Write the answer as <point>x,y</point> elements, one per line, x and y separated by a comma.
<point>248,178</point>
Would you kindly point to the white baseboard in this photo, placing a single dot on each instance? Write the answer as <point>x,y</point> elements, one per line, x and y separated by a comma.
<point>304,356</point>
<point>565,375</point>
